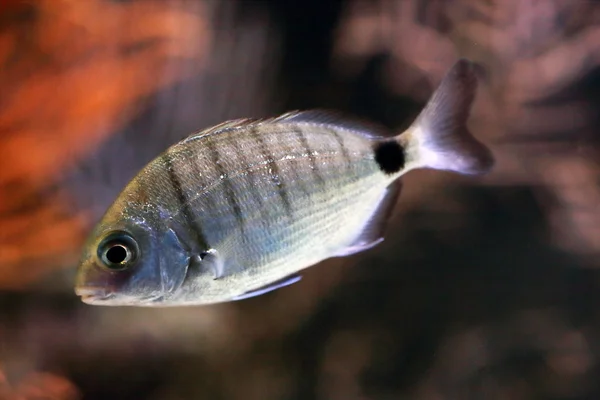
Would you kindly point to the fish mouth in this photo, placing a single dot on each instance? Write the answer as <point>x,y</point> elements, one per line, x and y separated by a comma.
<point>93,295</point>
<point>90,294</point>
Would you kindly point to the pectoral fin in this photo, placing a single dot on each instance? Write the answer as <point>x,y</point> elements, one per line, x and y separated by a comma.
<point>215,263</point>
<point>373,231</point>
<point>268,288</point>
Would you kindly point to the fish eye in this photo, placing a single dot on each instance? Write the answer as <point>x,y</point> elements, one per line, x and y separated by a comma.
<point>118,251</point>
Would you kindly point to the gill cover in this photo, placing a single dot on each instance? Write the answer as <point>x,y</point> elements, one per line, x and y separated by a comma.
<point>174,261</point>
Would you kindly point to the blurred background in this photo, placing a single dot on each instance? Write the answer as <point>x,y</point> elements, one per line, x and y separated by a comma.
<point>485,288</point>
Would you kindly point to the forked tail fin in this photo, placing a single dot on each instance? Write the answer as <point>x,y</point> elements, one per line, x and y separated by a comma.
<point>439,137</point>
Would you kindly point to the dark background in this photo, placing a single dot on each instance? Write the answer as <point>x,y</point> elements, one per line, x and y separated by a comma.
<point>485,288</point>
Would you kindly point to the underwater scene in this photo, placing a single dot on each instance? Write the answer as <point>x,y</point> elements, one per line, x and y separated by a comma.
<point>300,199</point>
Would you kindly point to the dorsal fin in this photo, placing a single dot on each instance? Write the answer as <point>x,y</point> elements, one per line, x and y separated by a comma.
<point>223,126</point>
<point>337,119</point>
<point>373,231</point>
<point>316,116</point>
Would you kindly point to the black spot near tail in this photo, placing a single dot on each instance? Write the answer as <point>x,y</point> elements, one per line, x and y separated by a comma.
<point>390,156</point>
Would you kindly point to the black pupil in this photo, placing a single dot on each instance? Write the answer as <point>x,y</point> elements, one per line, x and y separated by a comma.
<point>116,254</point>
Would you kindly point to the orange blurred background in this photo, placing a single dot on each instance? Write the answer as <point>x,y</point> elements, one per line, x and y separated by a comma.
<point>73,73</point>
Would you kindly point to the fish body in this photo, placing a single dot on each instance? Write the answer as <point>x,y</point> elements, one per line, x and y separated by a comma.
<point>241,208</point>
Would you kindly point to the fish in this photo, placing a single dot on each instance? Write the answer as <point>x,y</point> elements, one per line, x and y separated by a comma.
<point>242,208</point>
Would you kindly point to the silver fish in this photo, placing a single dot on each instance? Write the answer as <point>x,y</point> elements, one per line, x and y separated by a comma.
<point>241,208</point>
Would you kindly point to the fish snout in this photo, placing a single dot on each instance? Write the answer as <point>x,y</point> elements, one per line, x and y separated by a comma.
<point>90,294</point>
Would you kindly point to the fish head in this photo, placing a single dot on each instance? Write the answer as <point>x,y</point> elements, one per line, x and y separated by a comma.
<point>131,258</point>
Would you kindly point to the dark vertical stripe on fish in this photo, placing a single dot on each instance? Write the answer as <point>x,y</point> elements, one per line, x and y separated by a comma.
<point>184,205</point>
<point>343,147</point>
<point>274,171</point>
<point>232,200</point>
<point>311,156</point>
<point>249,176</point>
<point>198,168</point>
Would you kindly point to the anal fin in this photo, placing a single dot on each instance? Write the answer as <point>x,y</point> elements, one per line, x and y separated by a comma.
<point>270,287</point>
<point>373,231</point>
